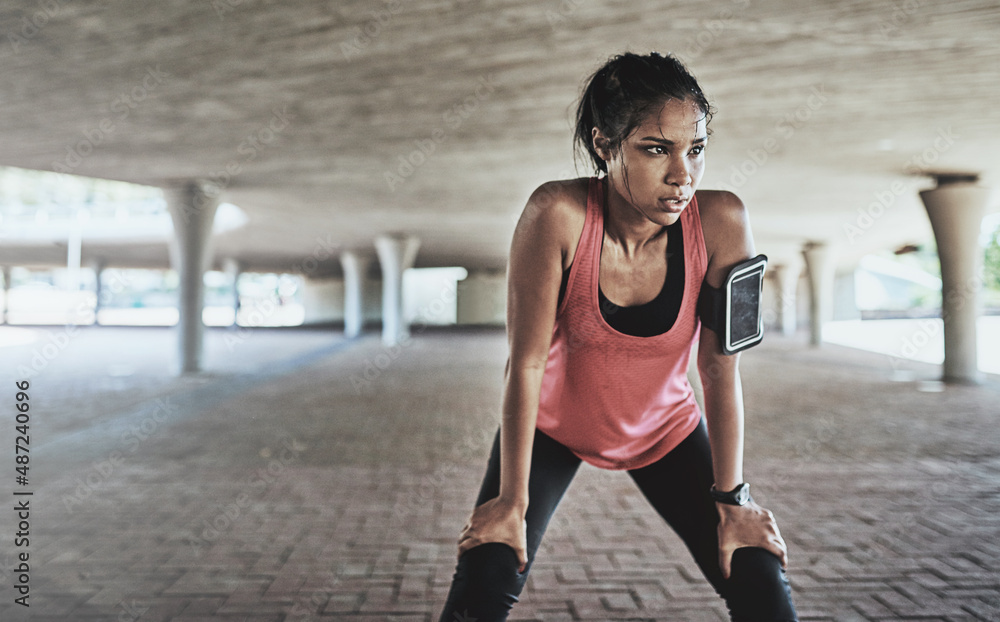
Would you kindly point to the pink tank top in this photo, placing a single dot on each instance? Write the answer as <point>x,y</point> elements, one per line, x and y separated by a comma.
<point>619,401</point>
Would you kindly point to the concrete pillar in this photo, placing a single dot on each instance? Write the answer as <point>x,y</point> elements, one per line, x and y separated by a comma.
<point>192,206</point>
<point>6,292</point>
<point>786,276</point>
<point>74,252</point>
<point>395,255</point>
<point>820,266</point>
<point>233,268</point>
<point>956,208</point>
<point>97,265</point>
<point>355,268</point>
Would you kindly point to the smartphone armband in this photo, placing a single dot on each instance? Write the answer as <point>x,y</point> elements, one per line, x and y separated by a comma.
<point>733,311</point>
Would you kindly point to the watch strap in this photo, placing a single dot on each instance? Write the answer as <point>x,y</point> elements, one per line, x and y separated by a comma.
<point>737,496</point>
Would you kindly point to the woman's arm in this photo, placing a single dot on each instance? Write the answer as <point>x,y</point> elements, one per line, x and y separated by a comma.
<point>534,273</point>
<point>720,379</point>
<point>728,240</point>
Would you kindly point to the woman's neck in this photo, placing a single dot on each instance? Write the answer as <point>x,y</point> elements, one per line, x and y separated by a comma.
<point>626,226</point>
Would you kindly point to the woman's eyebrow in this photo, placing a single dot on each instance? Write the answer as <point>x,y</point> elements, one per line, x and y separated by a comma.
<point>664,141</point>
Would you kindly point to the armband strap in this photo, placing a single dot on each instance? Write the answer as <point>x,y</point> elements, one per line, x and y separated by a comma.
<point>733,311</point>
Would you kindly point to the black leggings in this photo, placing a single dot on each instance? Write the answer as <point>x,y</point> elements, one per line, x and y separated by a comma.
<point>486,583</point>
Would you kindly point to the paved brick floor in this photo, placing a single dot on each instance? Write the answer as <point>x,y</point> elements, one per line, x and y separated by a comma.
<point>303,477</point>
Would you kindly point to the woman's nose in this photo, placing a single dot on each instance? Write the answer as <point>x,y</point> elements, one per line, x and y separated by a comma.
<point>678,173</point>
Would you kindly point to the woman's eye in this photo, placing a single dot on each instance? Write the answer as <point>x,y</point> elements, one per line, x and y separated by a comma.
<point>657,149</point>
<point>697,150</point>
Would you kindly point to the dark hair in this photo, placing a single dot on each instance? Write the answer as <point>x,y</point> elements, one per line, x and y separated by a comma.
<point>620,94</point>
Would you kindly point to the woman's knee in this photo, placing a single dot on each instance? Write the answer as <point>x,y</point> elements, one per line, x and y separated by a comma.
<point>493,562</point>
<point>754,565</point>
<point>487,583</point>
<point>757,588</point>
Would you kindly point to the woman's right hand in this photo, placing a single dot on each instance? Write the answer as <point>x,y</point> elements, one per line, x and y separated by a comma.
<point>496,521</point>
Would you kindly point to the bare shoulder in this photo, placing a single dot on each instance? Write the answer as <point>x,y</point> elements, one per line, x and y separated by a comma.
<point>561,198</point>
<point>725,224</point>
<point>556,211</point>
<point>720,206</point>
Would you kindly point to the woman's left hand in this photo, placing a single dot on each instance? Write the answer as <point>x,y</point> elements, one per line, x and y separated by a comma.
<point>747,525</point>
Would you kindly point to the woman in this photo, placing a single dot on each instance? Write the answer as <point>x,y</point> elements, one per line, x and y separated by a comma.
<point>603,281</point>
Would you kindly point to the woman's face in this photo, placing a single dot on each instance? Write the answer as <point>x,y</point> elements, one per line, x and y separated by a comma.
<point>658,167</point>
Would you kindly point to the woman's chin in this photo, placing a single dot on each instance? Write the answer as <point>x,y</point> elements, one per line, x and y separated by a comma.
<point>667,218</point>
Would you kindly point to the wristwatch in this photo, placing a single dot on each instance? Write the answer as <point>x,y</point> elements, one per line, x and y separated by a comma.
<point>737,496</point>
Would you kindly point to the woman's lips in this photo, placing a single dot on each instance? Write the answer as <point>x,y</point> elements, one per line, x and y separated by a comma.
<point>673,204</point>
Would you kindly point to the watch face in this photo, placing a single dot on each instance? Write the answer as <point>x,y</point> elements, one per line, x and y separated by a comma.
<point>743,495</point>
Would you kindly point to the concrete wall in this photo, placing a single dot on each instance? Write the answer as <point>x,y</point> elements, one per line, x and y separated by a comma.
<point>845,306</point>
<point>323,300</point>
<point>482,298</point>
<point>371,301</point>
<point>429,295</point>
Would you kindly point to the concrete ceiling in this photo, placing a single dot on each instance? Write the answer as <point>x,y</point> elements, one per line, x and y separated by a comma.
<point>827,105</point>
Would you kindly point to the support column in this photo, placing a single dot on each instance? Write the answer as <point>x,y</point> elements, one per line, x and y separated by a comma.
<point>192,206</point>
<point>233,269</point>
<point>74,252</point>
<point>956,208</point>
<point>355,267</point>
<point>97,265</point>
<point>786,276</point>
<point>820,266</point>
<point>6,292</point>
<point>395,255</point>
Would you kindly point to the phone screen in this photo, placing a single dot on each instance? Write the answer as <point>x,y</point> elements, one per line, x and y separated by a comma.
<point>744,308</point>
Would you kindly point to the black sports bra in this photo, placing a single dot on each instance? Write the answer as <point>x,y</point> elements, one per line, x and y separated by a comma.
<point>659,314</point>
